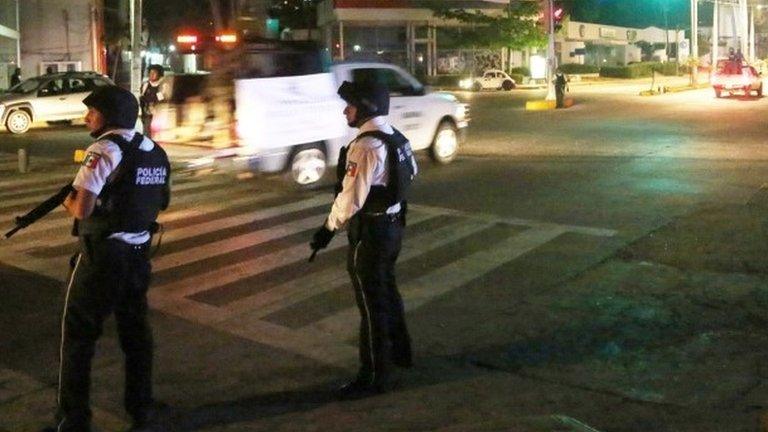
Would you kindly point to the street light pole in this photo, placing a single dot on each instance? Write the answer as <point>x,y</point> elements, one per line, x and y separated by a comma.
<point>715,33</point>
<point>551,61</point>
<point>751,56</point>
<point>135,46</point>
<point>694,41</point>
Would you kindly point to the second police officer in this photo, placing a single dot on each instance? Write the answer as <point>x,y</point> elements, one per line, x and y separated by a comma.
<point>121,187</point>
<point>153,92</point>
<point>374,173</point>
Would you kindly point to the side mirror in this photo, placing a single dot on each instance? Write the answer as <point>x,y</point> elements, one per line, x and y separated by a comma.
<point>418,91</point>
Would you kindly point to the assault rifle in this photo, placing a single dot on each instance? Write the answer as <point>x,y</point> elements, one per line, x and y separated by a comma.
<point>41,210</point>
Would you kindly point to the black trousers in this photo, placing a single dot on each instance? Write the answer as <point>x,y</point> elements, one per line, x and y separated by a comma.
<point>107,276</point>
<point>374,246</point>
<point>146,121</point>
<point>560,97</point>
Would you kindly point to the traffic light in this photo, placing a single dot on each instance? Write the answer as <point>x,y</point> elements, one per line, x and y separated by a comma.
<point>558,13</point>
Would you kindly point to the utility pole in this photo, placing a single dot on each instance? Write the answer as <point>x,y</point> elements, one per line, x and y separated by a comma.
<point>715,33</point>
<point>551,61</point>
<point>744,27</point>
<point>666,31</point>
<point>695,42</point>
<point>136,46</point>
<point>751,55</point>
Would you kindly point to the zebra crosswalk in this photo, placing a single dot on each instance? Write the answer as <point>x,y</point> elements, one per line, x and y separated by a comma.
<point>234,257</point>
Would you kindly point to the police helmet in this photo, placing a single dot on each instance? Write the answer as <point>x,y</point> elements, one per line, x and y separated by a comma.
<point>370,98</point>
<point>156,67</point>
<point>118,106</point>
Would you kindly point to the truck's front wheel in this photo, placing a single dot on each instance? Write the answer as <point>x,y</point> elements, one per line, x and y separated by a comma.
<point>308,165</point>
<point>445,146</point>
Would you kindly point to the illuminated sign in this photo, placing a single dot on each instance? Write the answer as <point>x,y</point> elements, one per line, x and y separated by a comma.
<point>227,38</point>
<point>186,39</point>
<point>538,67</point>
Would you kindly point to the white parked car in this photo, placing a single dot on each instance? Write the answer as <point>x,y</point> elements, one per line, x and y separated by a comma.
<point>53,97</point>
<point>492,79</point>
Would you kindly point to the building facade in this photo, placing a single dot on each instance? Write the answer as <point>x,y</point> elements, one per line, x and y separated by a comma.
<point>403,32</point>
<point>9,40</point>
<point>61,35</point>
<point>605,45</point>
<point>406,32</point>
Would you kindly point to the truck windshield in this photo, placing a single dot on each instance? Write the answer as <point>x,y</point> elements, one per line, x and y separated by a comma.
<point>280,63</point>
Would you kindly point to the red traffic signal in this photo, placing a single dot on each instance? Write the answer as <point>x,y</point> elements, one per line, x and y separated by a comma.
<point>558,13</point>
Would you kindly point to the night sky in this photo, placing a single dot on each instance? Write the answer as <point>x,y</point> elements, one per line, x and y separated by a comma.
<point>638,13</point>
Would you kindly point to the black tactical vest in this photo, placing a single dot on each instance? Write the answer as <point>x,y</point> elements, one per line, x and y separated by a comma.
<point>149,99</point>
<point>400,169</point>
<point>138,190</point>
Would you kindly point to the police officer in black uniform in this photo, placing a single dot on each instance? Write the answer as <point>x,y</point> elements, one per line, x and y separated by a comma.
<point>152,92</point>
<point>374,173</point>
<point>119,190</point>
<point>561,85</point>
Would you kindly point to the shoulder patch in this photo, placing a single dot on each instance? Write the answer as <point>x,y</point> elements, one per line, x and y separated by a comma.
<point>352,169</point>
<point>91,160</point>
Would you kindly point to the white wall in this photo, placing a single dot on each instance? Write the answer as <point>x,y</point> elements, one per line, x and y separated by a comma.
<point>47,37</point>
<point>571,47</point>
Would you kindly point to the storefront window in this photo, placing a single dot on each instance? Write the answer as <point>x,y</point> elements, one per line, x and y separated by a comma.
<point>386,44</point>
<point>8,14</point>
<point>422,32</point>
<point>8,61</point>
<point>7,50</point>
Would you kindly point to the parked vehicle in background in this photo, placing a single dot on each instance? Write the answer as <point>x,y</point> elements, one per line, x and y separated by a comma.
<point>734,77</point>
<point>53,97</point>
<point>288,117</point>
<point>492,79</point>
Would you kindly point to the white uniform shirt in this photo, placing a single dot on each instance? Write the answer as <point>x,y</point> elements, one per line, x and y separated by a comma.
<point>101,159</point>
<point>366,167</point>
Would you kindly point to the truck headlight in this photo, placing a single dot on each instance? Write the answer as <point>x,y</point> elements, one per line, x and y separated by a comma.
<point>466,83</point>
<point>462,112</point>
<point>2,110</point>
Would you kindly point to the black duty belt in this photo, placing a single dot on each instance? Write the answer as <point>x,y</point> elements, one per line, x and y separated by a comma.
<point>392,217</point>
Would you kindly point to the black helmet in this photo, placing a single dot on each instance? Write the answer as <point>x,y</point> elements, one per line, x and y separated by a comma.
<point>118,106</point>
<point>156,67</point>
<point>370,98</point>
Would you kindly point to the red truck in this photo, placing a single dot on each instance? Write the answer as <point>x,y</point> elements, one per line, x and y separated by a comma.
<point>734,76</point>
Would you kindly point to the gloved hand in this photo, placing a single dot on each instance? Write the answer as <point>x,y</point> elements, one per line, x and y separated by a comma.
<point>321,238</point>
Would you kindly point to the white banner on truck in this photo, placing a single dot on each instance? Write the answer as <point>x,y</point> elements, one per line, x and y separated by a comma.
<point>285,111</point>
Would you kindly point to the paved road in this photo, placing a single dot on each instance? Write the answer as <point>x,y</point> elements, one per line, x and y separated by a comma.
<point>536,201</point>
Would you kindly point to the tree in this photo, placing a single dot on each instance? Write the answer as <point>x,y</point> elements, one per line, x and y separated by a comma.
<point>516,29</point>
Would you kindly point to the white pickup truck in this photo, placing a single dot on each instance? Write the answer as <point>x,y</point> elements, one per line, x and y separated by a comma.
<point>294,122</point>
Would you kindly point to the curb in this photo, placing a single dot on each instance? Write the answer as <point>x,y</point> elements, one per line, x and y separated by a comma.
<point>545,105</point>
<point>674,89</point>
